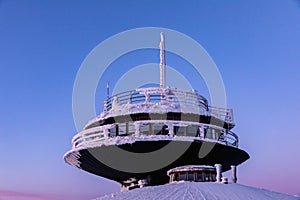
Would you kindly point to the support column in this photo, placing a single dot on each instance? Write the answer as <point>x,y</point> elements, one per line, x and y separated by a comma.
<point>106,131</point>
<point>201,127</point>
<point>219,172</point>
<point>137,129</point>
<point>171,129</point>
<point>233,173</point>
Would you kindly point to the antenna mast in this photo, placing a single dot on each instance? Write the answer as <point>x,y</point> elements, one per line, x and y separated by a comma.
<point>162,64</point>
<point>107,90</point>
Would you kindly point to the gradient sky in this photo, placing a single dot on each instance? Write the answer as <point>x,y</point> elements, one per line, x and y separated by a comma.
<point>256,46</point>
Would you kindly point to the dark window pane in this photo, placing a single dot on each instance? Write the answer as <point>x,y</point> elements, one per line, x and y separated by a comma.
<point>112,132</point>
<point>176,177</point>
<point>182,177</point>
<point>199,176</point>
<point>207,176</point>
<point>157,129</point>
<point>192,131</point>
<point>144,129</point>
<point>122,129</point>
<point>213,177</point>
<point>191,177</point>
<point>180,131</point>
<point>131,128</point>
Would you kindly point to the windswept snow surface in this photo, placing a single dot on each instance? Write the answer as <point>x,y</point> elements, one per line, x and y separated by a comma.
<point>199,191</point>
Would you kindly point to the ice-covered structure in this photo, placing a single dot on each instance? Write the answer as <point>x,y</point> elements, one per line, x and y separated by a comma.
<point>147,120</point>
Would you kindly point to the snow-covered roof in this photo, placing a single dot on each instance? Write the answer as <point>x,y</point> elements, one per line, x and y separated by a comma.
<point>199,191</point>
<point>191,168</point>
<point>160,101</point>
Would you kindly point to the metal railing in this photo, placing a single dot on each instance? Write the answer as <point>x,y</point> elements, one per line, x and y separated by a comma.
<point>225,114</point>
<point>181,98</point>
<point>95,135</point>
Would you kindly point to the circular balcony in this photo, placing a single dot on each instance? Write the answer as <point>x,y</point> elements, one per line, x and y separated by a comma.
<point>154,129</point>
<point>169,102</point>
<point>148,119</point>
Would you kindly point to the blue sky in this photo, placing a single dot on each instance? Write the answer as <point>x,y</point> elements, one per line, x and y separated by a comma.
<point>255,45</point>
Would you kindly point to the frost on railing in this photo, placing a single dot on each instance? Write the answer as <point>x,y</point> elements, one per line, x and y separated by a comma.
<point>170,100</point>
<point>156,95</point>
<point>143,129</point>
<point>225,114</point>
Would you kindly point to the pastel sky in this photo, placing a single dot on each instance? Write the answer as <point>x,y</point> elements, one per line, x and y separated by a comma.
<point>255,45</point>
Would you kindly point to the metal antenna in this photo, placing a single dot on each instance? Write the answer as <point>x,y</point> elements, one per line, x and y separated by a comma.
<point>162,64</point>
<point>107,90</point>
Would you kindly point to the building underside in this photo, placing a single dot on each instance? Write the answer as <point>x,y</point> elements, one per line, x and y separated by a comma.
<point>89,159</point>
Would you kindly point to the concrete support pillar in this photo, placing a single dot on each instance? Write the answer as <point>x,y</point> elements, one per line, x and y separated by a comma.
<point>137,129</point>
<point>201,128</point>
<point>171,129</point>
<point>106,131</point>
<point>233,173</point>
<point>219,172</point>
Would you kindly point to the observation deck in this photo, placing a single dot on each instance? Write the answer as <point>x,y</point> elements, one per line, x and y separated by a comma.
<point>148,119</point>
<point>143,133</point>
<point>172,113</point>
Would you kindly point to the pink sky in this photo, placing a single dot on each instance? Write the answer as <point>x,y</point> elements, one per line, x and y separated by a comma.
<point>10,195</point>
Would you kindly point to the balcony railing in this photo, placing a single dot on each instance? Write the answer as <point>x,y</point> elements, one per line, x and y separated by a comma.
<point>99,134</point>
<point>171,99</point>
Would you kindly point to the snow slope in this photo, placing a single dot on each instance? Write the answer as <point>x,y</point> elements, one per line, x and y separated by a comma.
<point>199,191</point>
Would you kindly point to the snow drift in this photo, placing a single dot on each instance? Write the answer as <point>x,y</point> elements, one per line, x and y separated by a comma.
<point>199,191</point>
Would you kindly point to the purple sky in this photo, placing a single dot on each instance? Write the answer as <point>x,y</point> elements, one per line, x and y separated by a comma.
<point>255,45</point>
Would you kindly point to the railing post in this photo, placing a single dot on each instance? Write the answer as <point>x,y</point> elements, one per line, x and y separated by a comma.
<point>170,129</point>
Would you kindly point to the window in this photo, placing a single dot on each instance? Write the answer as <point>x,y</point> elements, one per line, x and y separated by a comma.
<point>159,129</point>
<point>191,176</point>
<point>176,177</point>
<point>122,129</point>
<point>131,128</point>
<point>179,130</point>
<point>213,177</point>
<point>207,176</point>
<point>113,131</point>
<point>192,131</point>
<point>199,176</point>
<point>182,177</point>
<point>208,133</point>
<point>144,129</point>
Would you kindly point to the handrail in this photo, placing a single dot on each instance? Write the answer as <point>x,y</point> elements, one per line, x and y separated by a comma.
<point>168,96</point>
<point>95,135</point>
<point>225,114</point>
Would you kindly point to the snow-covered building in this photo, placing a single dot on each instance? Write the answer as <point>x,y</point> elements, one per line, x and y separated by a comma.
<point>156,123</point>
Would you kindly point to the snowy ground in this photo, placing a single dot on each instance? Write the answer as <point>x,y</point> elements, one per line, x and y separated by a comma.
<point>199,191</point>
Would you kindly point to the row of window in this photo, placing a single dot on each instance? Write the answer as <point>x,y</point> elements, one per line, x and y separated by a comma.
<point>128,128</point>
<point>201,176</point>
<point>161,129</point>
